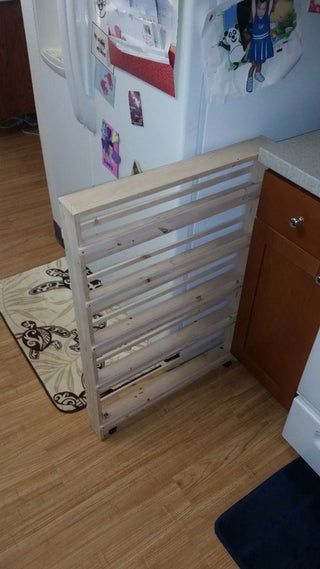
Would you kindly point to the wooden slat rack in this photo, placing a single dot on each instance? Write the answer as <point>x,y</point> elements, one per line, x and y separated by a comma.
<point>166,253</point>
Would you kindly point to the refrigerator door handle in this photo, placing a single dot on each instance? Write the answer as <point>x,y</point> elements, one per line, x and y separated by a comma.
<point>74,21</point>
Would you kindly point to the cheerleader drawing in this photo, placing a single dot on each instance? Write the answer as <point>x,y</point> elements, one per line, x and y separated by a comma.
<point>261,47</point>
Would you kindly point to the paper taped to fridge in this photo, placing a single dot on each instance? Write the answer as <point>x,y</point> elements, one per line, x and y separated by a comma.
<point>247,45</point>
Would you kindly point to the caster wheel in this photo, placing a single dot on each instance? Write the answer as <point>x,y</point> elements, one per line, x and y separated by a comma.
<point>227,364</point>
<point>113,430</point>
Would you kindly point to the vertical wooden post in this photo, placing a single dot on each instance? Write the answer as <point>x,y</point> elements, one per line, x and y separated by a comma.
<point>79,285</point>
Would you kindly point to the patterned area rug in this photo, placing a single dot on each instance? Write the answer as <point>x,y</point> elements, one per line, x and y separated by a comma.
<point>37,307</point>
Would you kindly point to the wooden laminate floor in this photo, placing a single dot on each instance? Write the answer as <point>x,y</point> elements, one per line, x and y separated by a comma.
<point>147,497</point>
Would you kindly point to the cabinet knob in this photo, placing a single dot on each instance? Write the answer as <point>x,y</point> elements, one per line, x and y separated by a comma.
<point>317,280</point>
<point>296,221</point>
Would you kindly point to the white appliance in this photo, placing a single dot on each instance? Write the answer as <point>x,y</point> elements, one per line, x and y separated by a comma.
<point>58,34</point>
<point>302,428</point>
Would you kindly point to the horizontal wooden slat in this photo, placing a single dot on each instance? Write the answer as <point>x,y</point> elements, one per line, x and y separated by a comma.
<point>174,310</point>
<point>166,222</point>
<point>150,182</point>
<point>169,214</point>
<point>135,363</point>
<point>169,288</point>
<point>104,273</point>
<point>130,208</point>
<point>195,350</point>
<point>152,335</point>
<point>164,271</point>
<point>122,405</point>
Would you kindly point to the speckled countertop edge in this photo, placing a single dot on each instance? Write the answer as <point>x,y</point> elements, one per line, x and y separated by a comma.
<point>297,159</point>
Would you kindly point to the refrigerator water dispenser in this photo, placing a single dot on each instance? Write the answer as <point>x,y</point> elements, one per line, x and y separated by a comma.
<point>49,36</point>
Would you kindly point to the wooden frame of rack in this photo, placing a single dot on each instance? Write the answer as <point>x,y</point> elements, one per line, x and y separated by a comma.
<point>166,251</point>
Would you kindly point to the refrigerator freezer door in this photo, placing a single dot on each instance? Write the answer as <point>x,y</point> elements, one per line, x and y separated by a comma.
<point>65,141</point>
<point>302,431</point>
<point>309,386</point>
<point>74,18</point>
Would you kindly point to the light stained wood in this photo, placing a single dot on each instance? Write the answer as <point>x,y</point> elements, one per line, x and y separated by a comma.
<point>160,298</point>
<point>144,230</point>
<point>129,209</point>
<point>129,400</point>
<point>185,171</point>
<point>104,274</point>
<point>80,294</point>
<point>177,309</point>
<point>144,280</point>
<point>147,497</point>
<point>137,361</point>
<point>175,286</point>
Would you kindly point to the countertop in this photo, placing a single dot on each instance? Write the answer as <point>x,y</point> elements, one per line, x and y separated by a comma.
<point>297,159</point>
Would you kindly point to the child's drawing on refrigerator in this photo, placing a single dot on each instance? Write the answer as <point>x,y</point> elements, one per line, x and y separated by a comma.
<point>110,148</point>
<point>232,43</point>
<point>261,47</point>
<point>251,44</point>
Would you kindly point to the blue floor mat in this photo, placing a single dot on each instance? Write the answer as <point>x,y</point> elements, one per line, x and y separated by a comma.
<point>277,525</point>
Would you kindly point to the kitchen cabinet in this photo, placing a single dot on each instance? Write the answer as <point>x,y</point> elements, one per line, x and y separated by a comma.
<point>279,311</point>
<point>16,94</point>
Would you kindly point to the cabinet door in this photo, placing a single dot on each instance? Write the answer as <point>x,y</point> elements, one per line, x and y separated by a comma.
<point>280,202</point>
<point>16,95</point>
<point>279,313</point>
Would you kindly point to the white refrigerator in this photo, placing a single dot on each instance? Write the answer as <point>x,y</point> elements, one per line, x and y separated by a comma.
<point>71,110</point>
<point>302,428</point>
